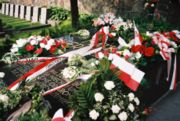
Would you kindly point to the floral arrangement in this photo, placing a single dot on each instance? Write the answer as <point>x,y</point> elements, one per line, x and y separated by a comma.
<point>77,65</point>
<point>109,19</point>
<point>38,45</point>
<point>102,98</point>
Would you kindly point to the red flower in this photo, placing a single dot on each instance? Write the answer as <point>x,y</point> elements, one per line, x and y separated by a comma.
<point>44,41</point>
<point>29,47</point>
<point>106,52</point>
<point>63,44</point>
<point>136,48</point>
<point>142,49</point>
<point>114,50</point>
<point>58,43</point>
<point>113,27</point>
<point>52,49</point>
<point>149,51</point>
<point>38,51</point>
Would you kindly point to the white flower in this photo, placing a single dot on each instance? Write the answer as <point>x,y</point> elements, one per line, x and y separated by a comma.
<point>136,100</point>
<point>2,74</point>
<point>33,42</point>
<point>99,97</point>
<point>115,109</point>
<point>126,52</point>
<point>4,98</point>
<point>51,42</point>
<point>123,116</point>
<point>138,55</point>
<point>14,50</point>
<point>109,85</point>
<point>97,62</point>
<point>92,64</point>
<point>131,107</point>
<point>93,114</point>
<point>131,96</point>
<point>47,47</point>
<point>21,42</point>
<point>42,45</point>
<point>14,46</point>
<point>101,55</point>
<point>145,5</point>
<point>70,72</point>
<point>110,57</point>
<point>152,5</point>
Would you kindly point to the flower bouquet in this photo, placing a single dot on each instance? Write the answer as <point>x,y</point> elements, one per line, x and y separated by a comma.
<point>39,46</point>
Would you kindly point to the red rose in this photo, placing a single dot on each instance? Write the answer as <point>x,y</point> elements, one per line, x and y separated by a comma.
<point>38,51</point>
<point>142,49</point>
<point>52,49</point>
<point>149,51</point>
<point>29,47</point>
<point>136,48</point>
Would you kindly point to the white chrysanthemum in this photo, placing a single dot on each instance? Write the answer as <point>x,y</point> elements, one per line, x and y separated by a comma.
<point>101,55</point>
<point>131,96</point>
<point>33,42</point>
<point>14,50</point>
<point>126,52</point>
<point>70,72</point>
<point>99,97</point>
<point>42,45</point>
<point>21,42</point>
<point>123,116</point>
<point>47,47</point>
<point>138,55</point>
<point>131,107</point>
<point>92,64</point>
<point>136,100</point>
<point>97,62</point>
<point>152,5</point>
<point>145,5</point>
<point>2,74</point>
<point>115,109</point>
<point>109,85</point>
<point>4,98</point>
<point>93,114</point>
<point>51,42</point>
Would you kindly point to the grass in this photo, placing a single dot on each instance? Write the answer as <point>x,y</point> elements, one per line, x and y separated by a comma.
<point>15,23</point>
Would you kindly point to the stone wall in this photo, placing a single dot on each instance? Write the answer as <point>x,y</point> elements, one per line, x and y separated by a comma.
<point>86,6</point>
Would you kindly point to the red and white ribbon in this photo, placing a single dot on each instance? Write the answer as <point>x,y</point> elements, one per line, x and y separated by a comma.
<point>59,116</point>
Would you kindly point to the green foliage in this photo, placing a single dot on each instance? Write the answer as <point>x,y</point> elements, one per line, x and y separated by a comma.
<point>58,13</point>
<point>86,21</point>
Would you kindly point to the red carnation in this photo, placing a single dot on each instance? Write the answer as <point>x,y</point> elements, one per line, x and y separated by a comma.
<point>149,51</point>
<point>63,44</point>
<point>106,52</point>
<point>44,41</point>
<point>29,47</point>
<point>114,50</point>
<point>38,51</point>
<point>58,43</point>
<point>136,48</point>
<point>52,49</point>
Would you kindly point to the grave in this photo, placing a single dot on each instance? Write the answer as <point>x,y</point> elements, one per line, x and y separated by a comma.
<point>11,10</point>
<point>7,8</point>
<point>28,13</point>
<point>22,11</point>
<point>35,16</point>
<point>16,14</point>
<point>3,9</point>
<point>43,16</point>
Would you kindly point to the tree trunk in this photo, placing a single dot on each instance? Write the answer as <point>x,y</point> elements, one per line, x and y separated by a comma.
<point>74,13</point>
